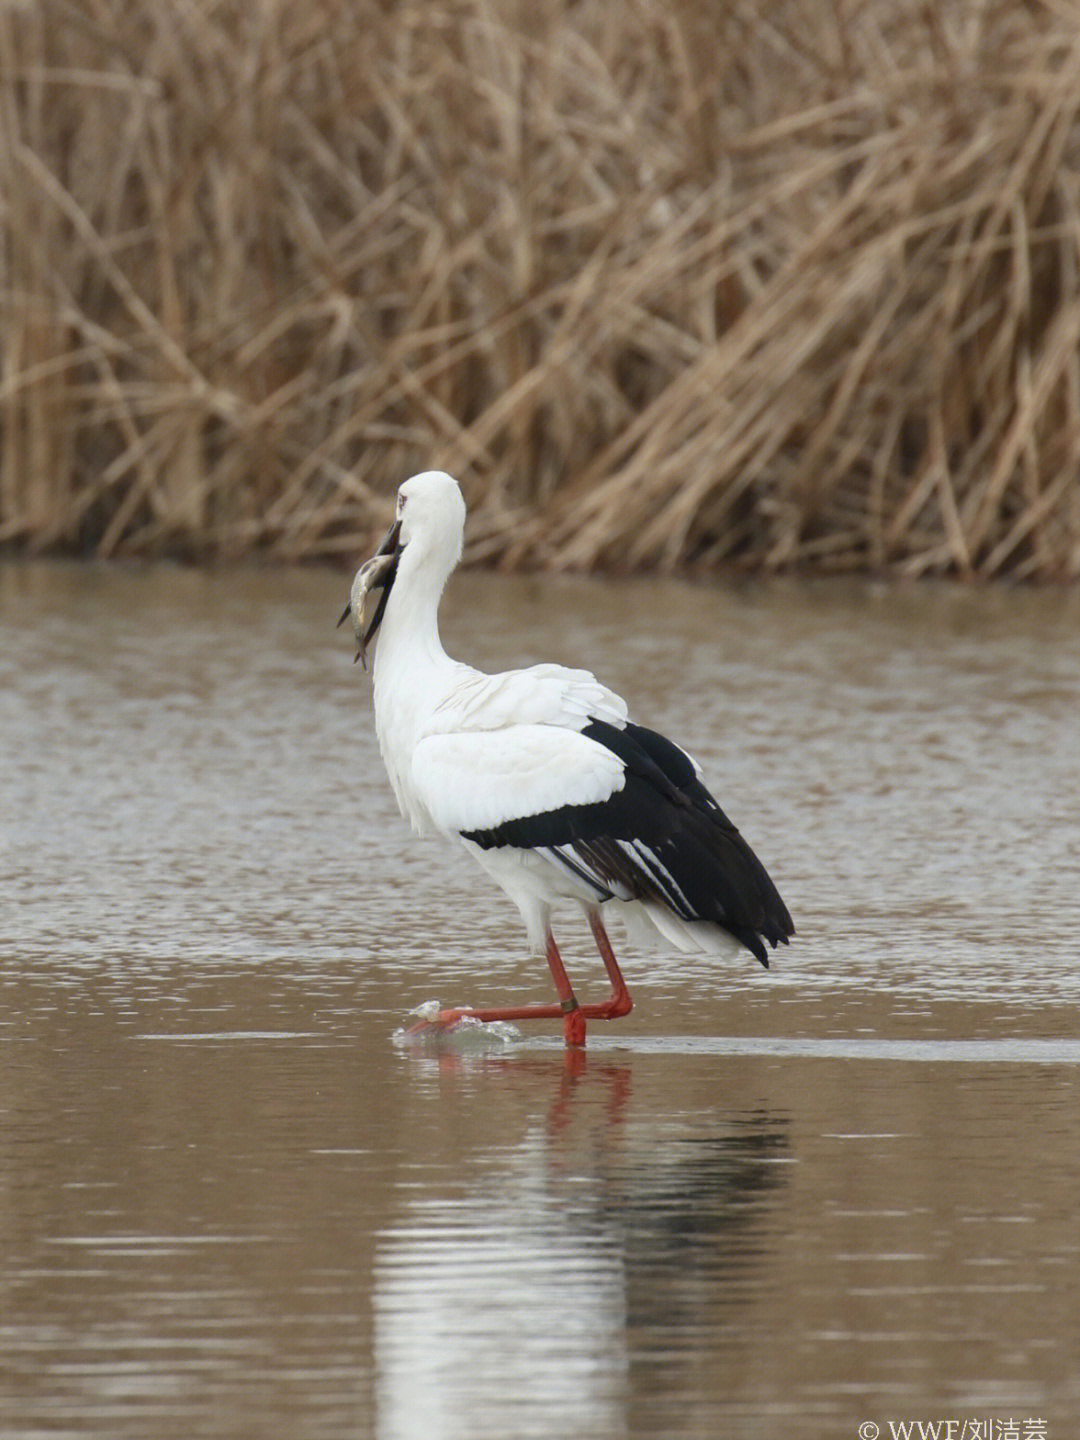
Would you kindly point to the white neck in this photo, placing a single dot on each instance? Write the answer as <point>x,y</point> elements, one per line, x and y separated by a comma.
<point>411,622</point>
<point>411,666</point>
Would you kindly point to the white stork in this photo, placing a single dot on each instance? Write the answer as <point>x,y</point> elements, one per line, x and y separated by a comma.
<point>545,781</point>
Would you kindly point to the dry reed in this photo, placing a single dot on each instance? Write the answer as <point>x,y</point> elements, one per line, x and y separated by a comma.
<point>769,284</point>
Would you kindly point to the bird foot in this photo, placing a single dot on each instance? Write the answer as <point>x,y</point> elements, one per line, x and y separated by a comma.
<point>434,1021</point>
<point>463,1027</point>
<point>446,1022</point>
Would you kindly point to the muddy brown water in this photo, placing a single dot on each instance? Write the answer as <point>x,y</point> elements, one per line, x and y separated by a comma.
<point>232,1203</point>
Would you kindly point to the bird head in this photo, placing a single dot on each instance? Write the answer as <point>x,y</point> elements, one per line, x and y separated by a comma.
<point>431,512</point>
<point>430,516</point>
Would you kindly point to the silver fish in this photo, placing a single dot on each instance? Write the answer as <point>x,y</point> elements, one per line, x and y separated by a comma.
<point>372,575</point>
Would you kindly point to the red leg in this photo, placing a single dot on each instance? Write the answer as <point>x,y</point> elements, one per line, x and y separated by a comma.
<point>568,1010</point>
<point>620,1003</point>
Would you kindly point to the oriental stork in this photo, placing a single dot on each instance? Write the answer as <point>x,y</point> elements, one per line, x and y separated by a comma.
<point>543,778</point>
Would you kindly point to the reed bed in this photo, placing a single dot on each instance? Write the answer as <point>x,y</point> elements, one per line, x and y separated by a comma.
<point>770,283</point>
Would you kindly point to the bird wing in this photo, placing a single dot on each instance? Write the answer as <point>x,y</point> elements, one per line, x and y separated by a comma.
<point>539,695</point>
<point>657,836</point>
<point>479,780</point>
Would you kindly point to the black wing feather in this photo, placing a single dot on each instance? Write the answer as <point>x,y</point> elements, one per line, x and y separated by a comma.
<point>662,837</point>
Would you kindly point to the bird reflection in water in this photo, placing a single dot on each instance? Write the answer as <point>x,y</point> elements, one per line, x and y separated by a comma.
<point>575,1276</point>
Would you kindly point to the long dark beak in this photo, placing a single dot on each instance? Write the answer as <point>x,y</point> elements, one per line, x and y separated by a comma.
<point>391,546</point>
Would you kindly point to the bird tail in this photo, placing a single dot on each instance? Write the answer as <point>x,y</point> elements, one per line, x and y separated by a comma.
<point>647,924</point>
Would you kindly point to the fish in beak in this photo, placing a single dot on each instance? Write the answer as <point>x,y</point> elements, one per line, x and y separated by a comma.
<point>375,574</point>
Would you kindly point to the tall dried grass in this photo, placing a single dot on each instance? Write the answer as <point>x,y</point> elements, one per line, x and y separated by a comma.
<point>771,283</point>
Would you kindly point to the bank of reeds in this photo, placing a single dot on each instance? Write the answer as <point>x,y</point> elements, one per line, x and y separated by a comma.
<point>772,282</point>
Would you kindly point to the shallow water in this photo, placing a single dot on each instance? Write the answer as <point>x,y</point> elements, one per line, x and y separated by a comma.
<point>234,1203</point>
